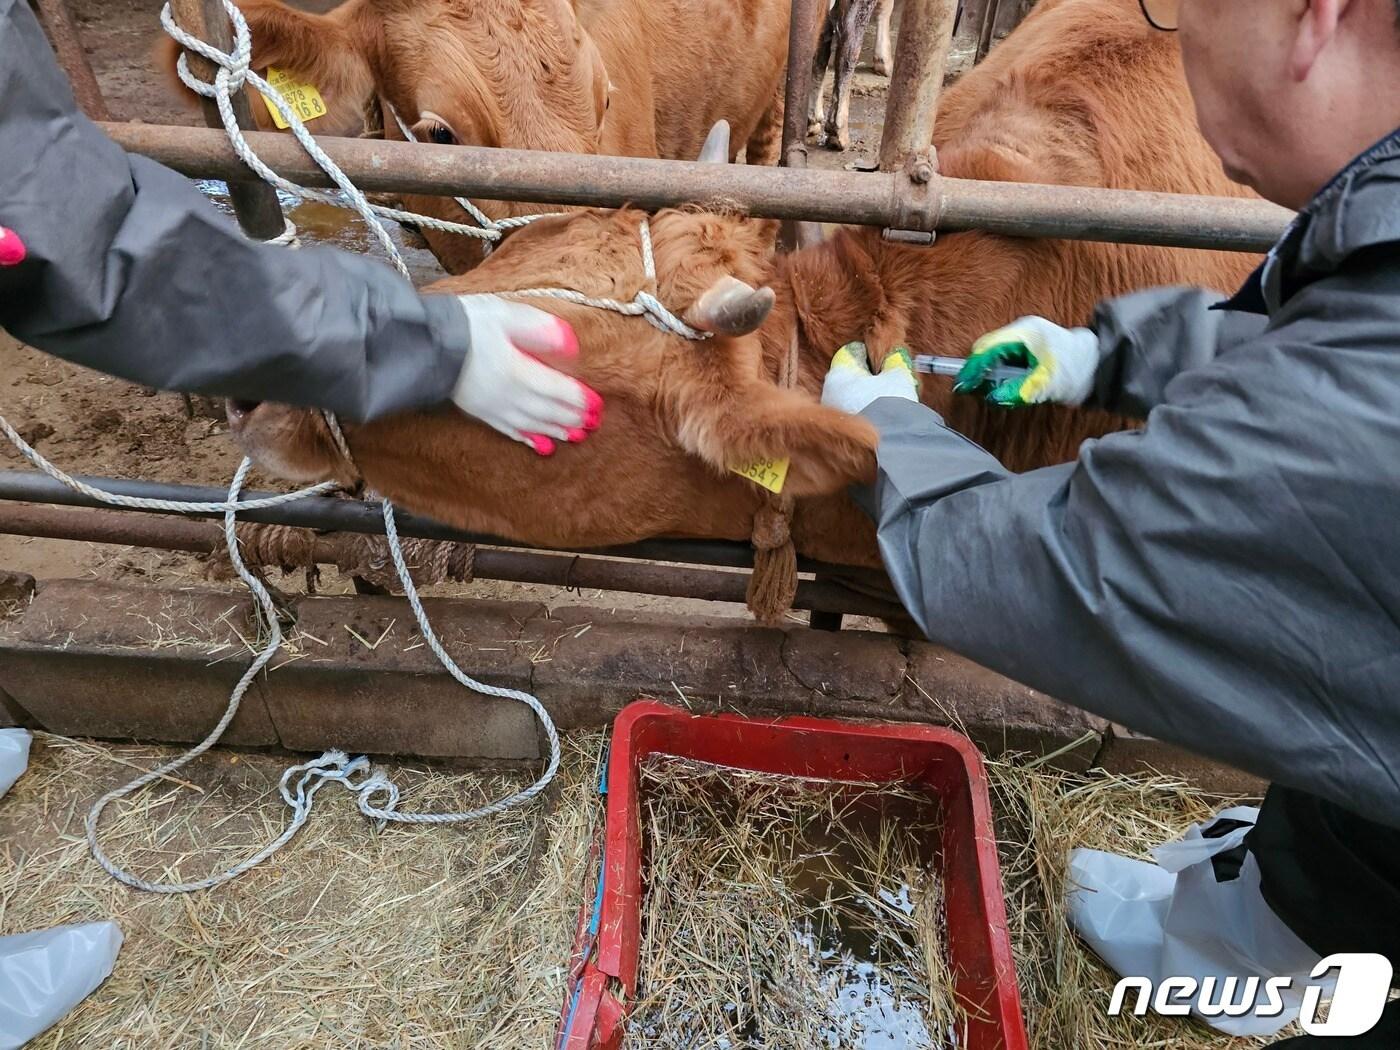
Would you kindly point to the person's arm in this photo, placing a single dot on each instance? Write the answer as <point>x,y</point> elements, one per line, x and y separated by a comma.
<point>1148,338</point>
<point>1177,579</point>
<point>1122,362</point>
<point>131,271</point>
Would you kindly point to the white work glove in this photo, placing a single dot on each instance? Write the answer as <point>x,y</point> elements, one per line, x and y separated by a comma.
<point>505,384</point>
<point>851,387</point>
<point>1062,363</point>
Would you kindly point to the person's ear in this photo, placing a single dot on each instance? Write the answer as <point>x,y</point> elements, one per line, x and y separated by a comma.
<point>1316,29</point>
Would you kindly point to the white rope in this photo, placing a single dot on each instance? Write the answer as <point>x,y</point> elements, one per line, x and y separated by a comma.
<point>233,72</point>
<point>330,766</point>
<point>140,503</point>
<point>492,230</point>
<point>643,304</point>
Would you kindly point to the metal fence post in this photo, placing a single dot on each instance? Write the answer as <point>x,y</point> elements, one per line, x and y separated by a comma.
<point>63,33</point>
<point>921,57</point>
<point>803,27</point>
<point>254,201</point>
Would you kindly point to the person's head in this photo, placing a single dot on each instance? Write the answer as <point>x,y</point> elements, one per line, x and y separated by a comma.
<point>1288,91</point>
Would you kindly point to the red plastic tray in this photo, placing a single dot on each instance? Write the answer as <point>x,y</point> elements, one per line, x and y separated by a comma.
<point>944,762</point>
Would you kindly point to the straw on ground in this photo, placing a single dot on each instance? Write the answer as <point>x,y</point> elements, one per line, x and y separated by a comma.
<point>416,938</point>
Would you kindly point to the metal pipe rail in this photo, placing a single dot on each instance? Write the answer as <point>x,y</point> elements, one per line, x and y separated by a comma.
<point>583,572</point>
<point>343,515</point>
<point>863,198</point>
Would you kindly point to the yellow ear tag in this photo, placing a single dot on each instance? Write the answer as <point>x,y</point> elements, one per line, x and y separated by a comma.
<point>766,473</point>
<point>304,99</point>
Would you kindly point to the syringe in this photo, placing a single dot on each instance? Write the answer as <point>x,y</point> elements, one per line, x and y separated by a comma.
<point>951,366</point>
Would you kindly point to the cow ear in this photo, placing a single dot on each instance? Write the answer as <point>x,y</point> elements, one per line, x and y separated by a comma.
<point>325,51</point>
<point>737,425</point>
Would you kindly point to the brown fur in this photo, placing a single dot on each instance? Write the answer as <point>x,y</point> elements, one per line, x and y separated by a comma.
<point>1081,93</point>
<point>535,74</point>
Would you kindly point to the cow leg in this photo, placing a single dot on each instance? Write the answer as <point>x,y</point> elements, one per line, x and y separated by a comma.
<point>884,53</point>
<point>821,58</point>
<point>849,35</point>
<point>766,142</point>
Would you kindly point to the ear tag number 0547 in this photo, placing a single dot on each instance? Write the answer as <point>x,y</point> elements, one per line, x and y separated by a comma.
<point>766,473</point>
<point>305,100</point>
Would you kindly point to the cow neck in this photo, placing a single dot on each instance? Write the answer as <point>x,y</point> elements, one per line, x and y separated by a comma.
<point>855,286</point>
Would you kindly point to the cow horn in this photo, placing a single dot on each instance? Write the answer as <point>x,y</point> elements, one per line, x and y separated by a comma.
<point>730,307</point>
<point>716,147</point>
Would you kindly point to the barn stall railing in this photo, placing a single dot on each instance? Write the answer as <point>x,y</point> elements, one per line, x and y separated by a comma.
<point>907,197</point>
<point>883,199</point>
<point>37,509</point>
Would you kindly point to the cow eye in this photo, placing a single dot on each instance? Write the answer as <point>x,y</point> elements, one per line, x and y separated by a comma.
<point>441,134</point>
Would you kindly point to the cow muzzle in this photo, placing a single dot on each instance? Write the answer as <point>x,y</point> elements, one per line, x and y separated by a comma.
<point>292,443</point>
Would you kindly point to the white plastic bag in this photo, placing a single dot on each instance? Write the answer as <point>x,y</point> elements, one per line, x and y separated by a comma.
<point>14,756</point>
<point>46,973</point>
<point>1173,919</point>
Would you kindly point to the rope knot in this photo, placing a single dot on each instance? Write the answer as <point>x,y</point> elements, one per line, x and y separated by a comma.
<point>771,528</point>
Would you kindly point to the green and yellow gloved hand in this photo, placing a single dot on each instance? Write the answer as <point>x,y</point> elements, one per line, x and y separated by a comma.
<point>851,387</point>
<point>1062,363</point>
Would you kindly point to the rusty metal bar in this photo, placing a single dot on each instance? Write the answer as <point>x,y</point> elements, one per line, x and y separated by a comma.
<point>827,600</point>
<point>254,201</point>
<point>920,61</point>
<point>62,29</point>
<point>870,198</point>
<point>343,515</point>
<point>803,27</point>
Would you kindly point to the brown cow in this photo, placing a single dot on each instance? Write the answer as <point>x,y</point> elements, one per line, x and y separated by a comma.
<point>638,78</point>
<point>1082,93</point>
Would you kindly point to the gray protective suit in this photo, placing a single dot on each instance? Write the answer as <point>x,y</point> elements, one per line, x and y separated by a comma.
<point>133,272</point>
<point>1227,578</point>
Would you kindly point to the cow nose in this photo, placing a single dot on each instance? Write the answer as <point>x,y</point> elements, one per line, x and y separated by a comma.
<point>238,412</point>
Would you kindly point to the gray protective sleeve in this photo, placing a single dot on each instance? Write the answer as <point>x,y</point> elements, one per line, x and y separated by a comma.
<point>133,272</point>
<point>1139,584</point>
<point>1148,338</point>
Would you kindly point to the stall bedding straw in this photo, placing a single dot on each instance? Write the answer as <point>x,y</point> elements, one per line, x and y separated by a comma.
<point>418,938</point>
<point>788,912</point>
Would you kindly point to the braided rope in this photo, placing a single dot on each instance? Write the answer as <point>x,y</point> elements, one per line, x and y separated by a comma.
<point>643,304</point>
<point>330,766</point>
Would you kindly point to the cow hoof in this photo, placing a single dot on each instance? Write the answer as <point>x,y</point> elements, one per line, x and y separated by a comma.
<point>837,140</point>
<point>882,68</point>
<point>814,129</point>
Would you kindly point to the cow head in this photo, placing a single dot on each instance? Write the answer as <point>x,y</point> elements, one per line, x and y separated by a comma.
<point>679,412</point>
<point>519,74</point>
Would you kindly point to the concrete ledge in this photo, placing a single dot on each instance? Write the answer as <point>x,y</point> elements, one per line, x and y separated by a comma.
<point>122,662</point>
<point>360,677</point>
<point>12,716</point>
<point>103,660</point>
<point>1125,751</point>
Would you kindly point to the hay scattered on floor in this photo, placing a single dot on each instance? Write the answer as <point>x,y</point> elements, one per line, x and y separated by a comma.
<point>789,914</point>
<point>396,940</point>
<point>418,938</point>
<point>1043,814</point>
